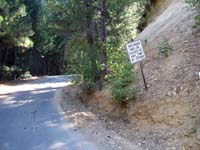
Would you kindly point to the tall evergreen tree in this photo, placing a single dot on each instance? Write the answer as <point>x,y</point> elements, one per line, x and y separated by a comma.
<point>15,31</point>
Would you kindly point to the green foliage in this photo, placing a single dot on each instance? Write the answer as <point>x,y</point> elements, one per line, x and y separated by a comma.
<point>196,5</point>
<point>121,31</point>
<point>88,87</point>
<point>1,20</point>
<point>83,53</point>
<point>197,18</point>
<point>13,72</point>
<point>62,36</point>
<point>15,37</point>
<point>165,48</point>
<point>76,79</point>
<point>15,23</point>
<point>120,87</point>
<point>9,73</point>
<point>70,21</point>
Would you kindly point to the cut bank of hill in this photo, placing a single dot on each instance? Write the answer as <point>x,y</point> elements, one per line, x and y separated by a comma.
<point>167,116</point>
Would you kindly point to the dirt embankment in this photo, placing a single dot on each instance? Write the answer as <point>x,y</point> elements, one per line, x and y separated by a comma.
<point>82,119</point>
<point>167,116</point>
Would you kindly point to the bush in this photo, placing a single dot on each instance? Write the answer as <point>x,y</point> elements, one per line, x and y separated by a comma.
<point>76,79</point>
<point>196,5</point>
<point>9,73</point>
<point>165,48</point>
<point>88,87</point>
<point>120,85</point>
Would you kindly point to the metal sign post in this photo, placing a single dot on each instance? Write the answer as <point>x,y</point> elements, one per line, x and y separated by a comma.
<point>143,77</point>
<point>136,53</point>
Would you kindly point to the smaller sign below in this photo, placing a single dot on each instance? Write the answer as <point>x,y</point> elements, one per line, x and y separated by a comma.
<point>135,51</point>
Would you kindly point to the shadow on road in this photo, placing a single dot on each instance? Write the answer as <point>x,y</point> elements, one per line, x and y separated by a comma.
<point>30,119</point>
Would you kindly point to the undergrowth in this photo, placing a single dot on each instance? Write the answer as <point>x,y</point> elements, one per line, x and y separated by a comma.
<point>9,72</point>
<point>121,89</point>
<point>165,48</point>
<point>195,4</point>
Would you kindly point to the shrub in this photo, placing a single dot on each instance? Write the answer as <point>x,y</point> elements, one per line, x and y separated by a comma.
<point>120,86</point>
<point>165,48</point>
<point>9,73</point>
<point>76,79</point>
<point>196,5</point>
<point>88,87</point>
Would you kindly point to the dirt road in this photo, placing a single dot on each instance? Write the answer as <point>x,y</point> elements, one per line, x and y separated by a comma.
<point>30,120</point>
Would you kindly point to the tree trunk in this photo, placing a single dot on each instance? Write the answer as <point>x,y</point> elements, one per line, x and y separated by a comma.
<point>62,61</point>
<point>6,57</point>
<point>103,42</point>
<point>0,56</point>
<point>15,57</point>
<point>90,39</point>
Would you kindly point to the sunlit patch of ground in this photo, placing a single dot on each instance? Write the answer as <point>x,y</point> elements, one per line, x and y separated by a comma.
<point>6,89</point>
<point>8,92</point>
<point>57,145</point>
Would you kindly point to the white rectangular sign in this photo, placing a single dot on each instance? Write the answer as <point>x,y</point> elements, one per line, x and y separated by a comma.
<point>135,51</point>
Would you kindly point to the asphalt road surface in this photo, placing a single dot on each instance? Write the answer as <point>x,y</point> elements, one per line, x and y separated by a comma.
<point>30,120</point>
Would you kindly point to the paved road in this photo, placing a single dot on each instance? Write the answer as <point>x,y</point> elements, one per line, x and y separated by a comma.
<point>29,119</point>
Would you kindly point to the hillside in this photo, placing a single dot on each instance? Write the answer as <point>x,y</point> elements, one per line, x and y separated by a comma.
<point>167,115</point>
<point>171,106</point>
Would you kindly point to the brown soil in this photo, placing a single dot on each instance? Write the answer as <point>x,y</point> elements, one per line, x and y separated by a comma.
<point>83,119</point>
<point>167,116</point>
